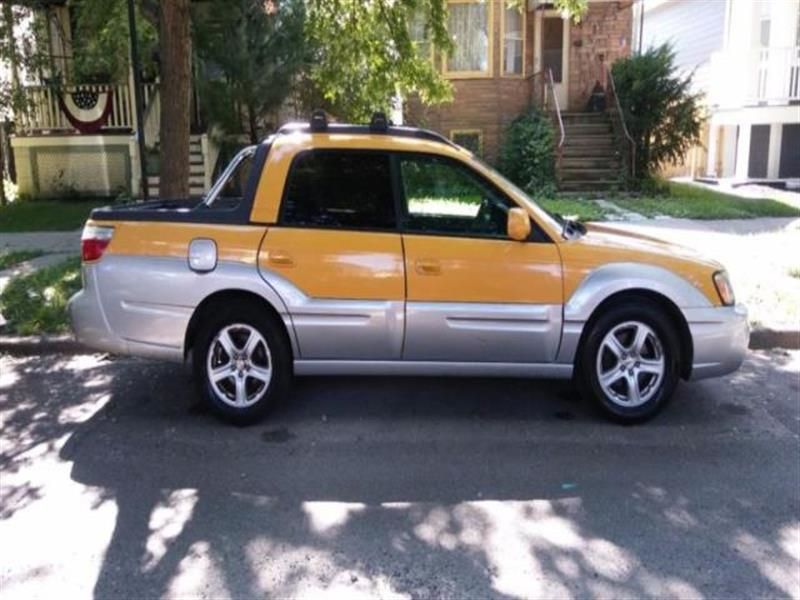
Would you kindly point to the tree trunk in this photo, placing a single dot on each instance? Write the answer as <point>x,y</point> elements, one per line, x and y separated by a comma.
<point>175,53</point>
<point>3,200</point>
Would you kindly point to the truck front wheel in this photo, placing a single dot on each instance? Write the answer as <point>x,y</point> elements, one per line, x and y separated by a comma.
<point>241,363</point>
<point>629,361</point>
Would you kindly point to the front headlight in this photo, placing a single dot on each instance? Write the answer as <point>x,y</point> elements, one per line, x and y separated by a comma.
<point>724,288</point>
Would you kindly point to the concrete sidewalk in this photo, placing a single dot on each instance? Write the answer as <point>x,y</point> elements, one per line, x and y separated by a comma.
<point>49,242</point>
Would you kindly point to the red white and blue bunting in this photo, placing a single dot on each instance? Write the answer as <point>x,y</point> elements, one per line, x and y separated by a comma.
<point>86,110</point>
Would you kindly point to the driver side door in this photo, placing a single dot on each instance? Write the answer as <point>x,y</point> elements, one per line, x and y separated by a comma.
<point>473,294</point>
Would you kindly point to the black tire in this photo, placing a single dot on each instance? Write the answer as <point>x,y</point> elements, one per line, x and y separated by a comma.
<point>277,355</point>
<point>618,318</point>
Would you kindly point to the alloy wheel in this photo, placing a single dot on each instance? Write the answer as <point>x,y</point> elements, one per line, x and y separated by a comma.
<point>239,365</point>
<point>630,364</point>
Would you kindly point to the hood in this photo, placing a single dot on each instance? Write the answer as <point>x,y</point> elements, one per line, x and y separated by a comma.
<point>612,238</point>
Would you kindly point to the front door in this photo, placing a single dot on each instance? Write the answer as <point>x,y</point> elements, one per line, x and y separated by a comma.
<point>473,294</point>
<point>552,31</point>
<point>336,257</point>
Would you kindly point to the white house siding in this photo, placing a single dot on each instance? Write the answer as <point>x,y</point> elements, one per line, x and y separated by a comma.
<point>695,29</point>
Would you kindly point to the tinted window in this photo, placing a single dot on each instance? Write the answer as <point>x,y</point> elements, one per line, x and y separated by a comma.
<point>442,196</point>
<point>352,190</point>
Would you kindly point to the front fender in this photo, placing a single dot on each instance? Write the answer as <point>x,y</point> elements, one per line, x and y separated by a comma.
<point>613,278</point>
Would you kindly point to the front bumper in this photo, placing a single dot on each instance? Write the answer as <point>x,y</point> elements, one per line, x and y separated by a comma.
<point>720,336</point>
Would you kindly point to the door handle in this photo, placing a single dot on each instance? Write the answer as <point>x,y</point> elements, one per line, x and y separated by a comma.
<point>280,258</point>
<point>428,266</point>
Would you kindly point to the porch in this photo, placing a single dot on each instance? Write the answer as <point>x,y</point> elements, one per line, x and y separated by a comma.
<point>755,77</point>
<point>81,140</point>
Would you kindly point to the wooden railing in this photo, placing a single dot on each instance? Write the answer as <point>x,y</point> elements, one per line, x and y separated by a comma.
<point>618,116</point>
<point>43,112</point>
<point>755,76</point>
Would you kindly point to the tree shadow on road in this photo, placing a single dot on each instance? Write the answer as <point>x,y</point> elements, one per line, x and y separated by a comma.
<point>422,488</point>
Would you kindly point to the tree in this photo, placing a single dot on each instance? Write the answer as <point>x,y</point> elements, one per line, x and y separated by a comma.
<point>101,44</point>
<point>364,54</point>
<point>662,113</point>
<point>258,53</point>
<point>175,51</point>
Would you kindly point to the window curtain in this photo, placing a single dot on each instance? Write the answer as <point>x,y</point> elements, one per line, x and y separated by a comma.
<point>468,24</point>
<point>512,41</point>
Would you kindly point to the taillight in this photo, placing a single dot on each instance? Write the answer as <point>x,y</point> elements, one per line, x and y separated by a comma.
<point>94,241</point>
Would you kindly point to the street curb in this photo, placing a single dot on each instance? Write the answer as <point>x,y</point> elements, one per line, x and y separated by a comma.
<point>45,344</point>
<point>764,339</point>
<point>760,339</point>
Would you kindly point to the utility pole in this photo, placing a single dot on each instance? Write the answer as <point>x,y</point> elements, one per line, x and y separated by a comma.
<point>137,95</point>
<point>641,24</point>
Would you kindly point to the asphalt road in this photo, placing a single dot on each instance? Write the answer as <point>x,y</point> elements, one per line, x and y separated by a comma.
<point>116,484</point>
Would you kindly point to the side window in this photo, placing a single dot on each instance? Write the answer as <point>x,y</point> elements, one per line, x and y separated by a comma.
<point>339,188</point>
<point>442,196</point>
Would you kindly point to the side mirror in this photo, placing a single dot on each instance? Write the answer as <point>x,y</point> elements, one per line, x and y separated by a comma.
<point>519,224</point>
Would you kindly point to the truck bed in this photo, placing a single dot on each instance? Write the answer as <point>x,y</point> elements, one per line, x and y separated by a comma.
<point>233,211</point>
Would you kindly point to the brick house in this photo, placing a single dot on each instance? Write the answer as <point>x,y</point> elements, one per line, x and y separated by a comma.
<point>501,57</point>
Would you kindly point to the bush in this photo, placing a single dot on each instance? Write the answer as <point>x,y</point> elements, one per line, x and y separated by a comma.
<point>662,113</point>
<point>526,156</point>
<point>37,303</point>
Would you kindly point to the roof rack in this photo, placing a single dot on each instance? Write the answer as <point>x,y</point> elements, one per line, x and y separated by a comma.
<point>379,124</point>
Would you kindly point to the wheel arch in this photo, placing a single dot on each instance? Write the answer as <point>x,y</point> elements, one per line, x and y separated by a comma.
<point>668,306</point>
<point>227,296</point>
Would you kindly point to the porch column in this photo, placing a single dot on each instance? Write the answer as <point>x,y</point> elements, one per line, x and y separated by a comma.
<point>713,146</point>
<point>774,156</point>
<point>743,152</point>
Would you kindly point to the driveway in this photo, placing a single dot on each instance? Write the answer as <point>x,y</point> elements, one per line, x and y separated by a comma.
<point>116,484</point>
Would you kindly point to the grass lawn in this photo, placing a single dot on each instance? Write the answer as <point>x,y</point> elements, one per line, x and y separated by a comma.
<point>37,303</point>
<point>583,210</point>
<point>694,202</point>
<point>47,215</point>
<point>14,257</point>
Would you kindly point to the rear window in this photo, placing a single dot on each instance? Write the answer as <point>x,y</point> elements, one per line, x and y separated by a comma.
<point>344,189</point>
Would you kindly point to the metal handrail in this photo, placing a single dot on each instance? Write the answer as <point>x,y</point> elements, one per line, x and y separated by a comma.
<point>551,85</point>
<point>624,125</point>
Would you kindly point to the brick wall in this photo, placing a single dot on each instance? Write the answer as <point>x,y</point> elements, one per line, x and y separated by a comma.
<point>602,37</point>
<point>489,104</point>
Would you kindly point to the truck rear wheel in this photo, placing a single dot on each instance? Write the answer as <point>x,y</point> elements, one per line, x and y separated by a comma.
<point>241,363</point>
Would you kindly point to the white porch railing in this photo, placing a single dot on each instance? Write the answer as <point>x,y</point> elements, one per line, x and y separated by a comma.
<point>44,113</point>
<point>757,76</point>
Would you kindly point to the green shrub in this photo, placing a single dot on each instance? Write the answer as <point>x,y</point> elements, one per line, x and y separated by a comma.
<point>37,303</point>
<point>662,113</point>
<point>526,155</point>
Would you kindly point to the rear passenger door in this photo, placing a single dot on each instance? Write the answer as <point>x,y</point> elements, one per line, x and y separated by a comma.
<point>473,294</point>
<point>336,256</point>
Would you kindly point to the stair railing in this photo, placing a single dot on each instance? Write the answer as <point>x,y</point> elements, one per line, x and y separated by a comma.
<point>632,145</point>
<point>551,86</point>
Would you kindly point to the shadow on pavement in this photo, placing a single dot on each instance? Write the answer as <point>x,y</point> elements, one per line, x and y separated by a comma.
<point>418,487</point>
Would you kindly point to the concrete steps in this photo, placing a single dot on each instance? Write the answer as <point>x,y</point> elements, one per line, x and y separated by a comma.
<point>590,159</point>
<point>197,182</point>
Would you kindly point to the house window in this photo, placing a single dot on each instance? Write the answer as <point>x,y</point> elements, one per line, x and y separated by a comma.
<point>471,139</point>
<point>420,36</point>
<point>469,23</point>
<point>513,40</point>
